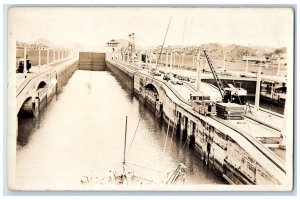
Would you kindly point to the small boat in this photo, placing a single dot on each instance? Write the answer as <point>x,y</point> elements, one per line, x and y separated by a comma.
<point>125,175</point>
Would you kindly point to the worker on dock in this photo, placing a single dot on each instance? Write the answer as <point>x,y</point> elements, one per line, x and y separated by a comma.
<point>248,108</point>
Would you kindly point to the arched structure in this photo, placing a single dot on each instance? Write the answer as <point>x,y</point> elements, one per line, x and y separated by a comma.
<point>152,92</point>
<point>29,98</point>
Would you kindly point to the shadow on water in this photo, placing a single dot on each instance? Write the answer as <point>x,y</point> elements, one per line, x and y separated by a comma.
<point>27,125</point>
<point>152,133</point>
<point>177,148</point>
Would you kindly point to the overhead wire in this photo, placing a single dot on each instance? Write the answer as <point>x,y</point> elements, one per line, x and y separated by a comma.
<point>152,78</point>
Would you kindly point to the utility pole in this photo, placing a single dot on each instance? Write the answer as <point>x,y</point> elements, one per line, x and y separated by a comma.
<point>224,63</point>
<point>25,61</point>
<point>282,144</point>
<point>171,61</point>
<point>278,60</point>
<point>146,59</point>
<point>199,67</point>
<point>151,57</point>
<point>54,56</point>
<point>182,59</point>
<point>39,48</point>
<point>167,59</point>
<point>47,56</point>
<point>257,91</point>
<point>193,60</point>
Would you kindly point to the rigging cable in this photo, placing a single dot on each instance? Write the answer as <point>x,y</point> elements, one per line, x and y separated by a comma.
<point>184,144</point>
<point>174,125</point>
<point>167,136</point>
<point>152,78</point>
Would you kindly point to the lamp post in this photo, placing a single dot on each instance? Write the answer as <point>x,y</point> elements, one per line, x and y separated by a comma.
<point>131,47</point>
<point>171,61</point>
<point>175,57</point>
<point>257,91</point>
<point>47,57</point>
<point>53,56</point>
<point>193,60</point>
<point>246,63</point>
<point>279,63</point>
<point>182,59</point>
<point>224,59</point>
<point>282,143</point>
<point>39,57</point>
<point>25,61</point>
<point>199,67</point>
<point>40,48</point>
<point>59,55</point>
<point>146,58</point>
<point>167,59</point>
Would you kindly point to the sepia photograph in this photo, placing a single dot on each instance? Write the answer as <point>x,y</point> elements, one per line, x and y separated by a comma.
<point>150,98</point>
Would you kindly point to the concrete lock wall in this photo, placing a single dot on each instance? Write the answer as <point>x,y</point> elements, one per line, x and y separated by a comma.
<point>92,61</point>
<point>126,78</point>
<point>64,75</point>
<point>218,146</point>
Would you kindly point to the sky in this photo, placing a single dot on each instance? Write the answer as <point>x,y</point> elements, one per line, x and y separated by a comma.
<point>188,26</point>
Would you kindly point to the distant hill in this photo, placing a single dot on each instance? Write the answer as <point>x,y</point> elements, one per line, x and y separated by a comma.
<point>235,52</point>
<point>232,52</point>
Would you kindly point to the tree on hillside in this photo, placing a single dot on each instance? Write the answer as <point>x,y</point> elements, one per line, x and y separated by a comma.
<point>280,50</point>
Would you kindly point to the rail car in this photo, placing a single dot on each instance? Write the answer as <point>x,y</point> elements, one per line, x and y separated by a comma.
<point>202,104</point>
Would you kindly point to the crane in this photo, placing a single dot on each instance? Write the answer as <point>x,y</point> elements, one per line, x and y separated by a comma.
<point>231,94</point>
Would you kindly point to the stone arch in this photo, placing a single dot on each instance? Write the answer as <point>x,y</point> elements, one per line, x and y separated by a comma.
<point>41,95</point>
<point>152,91</point>
<point>40,90</point>
<point>29,108</point>
<point>41,85</point>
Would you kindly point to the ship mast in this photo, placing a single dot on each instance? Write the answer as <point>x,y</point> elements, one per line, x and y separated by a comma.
<point>124,158</point>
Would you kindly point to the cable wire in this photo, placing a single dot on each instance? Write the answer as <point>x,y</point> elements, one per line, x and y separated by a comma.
<point>152,78</point>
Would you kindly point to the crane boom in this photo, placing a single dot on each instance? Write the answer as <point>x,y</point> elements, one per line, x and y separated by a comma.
<point>219,82</point>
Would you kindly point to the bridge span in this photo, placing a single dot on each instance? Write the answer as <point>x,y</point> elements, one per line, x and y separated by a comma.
<point>34,89</point>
